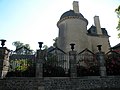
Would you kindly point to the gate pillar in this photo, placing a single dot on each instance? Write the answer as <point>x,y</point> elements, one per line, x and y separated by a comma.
<point>73,69</point>
<point>101,59</point>
<point>39,64</point>
<point>4,61</point>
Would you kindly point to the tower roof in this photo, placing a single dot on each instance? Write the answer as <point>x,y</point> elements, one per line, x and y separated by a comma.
<point>71,13</point>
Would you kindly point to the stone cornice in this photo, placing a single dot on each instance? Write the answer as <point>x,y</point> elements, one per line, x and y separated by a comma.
<point>98,35</point>
<point>73,17</point>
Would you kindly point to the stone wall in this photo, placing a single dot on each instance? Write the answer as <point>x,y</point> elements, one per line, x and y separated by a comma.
<point>87,83</point>
<point>63,83</point>
<point>21,83</point>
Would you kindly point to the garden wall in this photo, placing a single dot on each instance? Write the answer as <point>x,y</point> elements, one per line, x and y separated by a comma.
<point>61,83</point>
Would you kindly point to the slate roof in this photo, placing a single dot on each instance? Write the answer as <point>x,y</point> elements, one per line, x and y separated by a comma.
<point>71,13</point>
<point>116,46</point>
<point>92,31</point>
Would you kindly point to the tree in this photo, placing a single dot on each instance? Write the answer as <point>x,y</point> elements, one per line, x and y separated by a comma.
<point>55,42</point>
<point>45,47</point>
<point>118,14</point>
<point>19,65</point>
<point>21,68</point>
<point>22,48</point>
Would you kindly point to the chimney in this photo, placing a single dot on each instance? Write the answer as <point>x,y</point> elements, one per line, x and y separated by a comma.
<point>97,25</point>
<point>76,6</point>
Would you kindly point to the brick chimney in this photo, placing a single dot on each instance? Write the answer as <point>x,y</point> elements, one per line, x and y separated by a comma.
<point>76,6</point>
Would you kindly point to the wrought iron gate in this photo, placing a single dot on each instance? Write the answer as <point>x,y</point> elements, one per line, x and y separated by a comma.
<point>56,63</point>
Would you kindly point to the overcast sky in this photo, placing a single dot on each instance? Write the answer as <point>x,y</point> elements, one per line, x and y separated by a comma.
<point>32,21</point>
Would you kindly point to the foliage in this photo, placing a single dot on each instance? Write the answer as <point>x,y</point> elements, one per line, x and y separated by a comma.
<point>19,65</point>
<point>91,71</point>
<point>113,64</point>
<point>21,68</point>
<point>45,47</point>
<point>118,14</point>
<point>53,71</point>
<point>55,42</point>
<point>22,48</point>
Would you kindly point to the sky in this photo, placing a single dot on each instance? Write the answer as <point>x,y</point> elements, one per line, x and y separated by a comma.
<point>33,21</point>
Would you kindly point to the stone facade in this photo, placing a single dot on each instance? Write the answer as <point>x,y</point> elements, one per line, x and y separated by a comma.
<point>98,40</point>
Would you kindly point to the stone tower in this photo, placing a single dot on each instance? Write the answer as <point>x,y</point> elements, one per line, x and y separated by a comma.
<point>72,29</point>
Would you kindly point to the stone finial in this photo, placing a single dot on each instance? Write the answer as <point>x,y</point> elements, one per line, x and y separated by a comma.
<point>72,46</point>
<point>76,6</point>
<point>99,47</point>
<point>3,42</point>
<point>40,44</point>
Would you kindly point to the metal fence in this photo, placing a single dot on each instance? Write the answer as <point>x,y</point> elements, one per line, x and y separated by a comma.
<point>87,64</point>
<point>56,63</point>
<point>112,63</point>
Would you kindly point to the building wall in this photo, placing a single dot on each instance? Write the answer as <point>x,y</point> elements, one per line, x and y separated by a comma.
<point>73,31</point>
<point>99,40</point>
